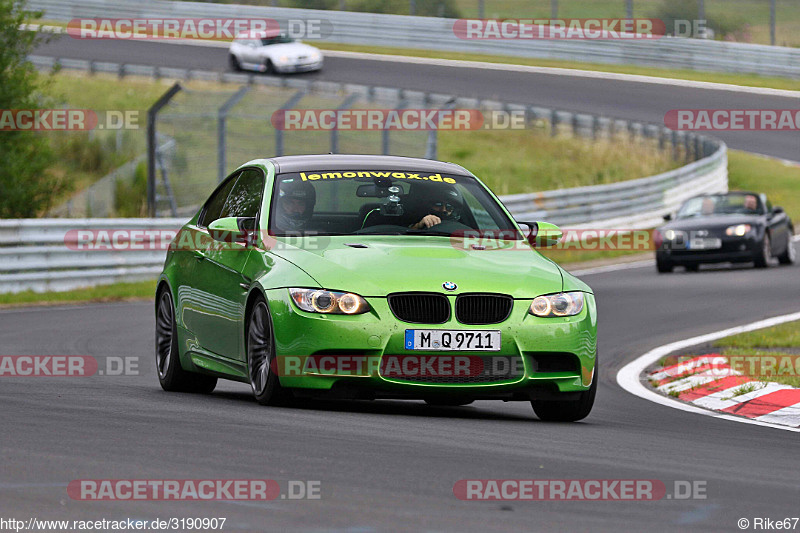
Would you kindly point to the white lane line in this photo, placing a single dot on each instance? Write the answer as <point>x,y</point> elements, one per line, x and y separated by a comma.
<point>612,268</point>
<point>630,376</point>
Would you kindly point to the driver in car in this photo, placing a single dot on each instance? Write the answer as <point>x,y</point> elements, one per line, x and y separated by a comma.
<point>295,207</point>
<point>751,203</point>
<point>440,207</point>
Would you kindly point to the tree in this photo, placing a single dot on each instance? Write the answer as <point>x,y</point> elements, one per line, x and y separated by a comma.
<point>26,187</point>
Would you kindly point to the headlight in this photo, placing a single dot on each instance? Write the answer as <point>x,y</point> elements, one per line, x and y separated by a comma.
<point>672,235</point>
<point>561,304</point>
<point>740,230</point>
<point>329,302</point>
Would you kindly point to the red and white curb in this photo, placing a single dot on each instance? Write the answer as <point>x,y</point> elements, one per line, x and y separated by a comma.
<point>708,387</point>
<point>708,381</point>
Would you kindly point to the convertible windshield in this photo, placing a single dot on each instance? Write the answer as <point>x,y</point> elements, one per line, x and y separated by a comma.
<point>721,204</point>
<point>384,202</point>
<point>278,39</point>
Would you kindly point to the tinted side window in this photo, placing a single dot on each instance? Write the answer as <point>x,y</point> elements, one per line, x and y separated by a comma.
<point>215,204</point>
<point>244,199</point>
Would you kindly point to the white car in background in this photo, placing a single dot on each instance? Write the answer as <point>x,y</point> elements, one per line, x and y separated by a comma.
<point>273,53</point>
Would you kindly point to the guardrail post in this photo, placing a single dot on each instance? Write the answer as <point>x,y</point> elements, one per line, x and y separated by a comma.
<point>222,117</point>
<point>553,123</point>
<point>152,113</point>
<point>432,147</point>
<point>348,102</point>
<point>291,102</point>
<point>385,145</point>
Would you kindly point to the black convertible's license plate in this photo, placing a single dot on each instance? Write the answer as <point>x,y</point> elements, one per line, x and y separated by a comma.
<point>453,340</point>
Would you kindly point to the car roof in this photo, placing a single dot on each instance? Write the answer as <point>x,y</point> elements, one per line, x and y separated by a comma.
<point>297,163</point>
<point>259,34</point>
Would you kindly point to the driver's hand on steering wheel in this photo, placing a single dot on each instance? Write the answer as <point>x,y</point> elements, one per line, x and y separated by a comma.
<point>427,222</point>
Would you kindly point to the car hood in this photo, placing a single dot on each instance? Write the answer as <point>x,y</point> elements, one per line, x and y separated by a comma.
<point>417,263</point>
<point>711,222</point>
<point>292,50</point>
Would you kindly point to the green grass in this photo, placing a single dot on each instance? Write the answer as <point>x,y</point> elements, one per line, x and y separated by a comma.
<point>781,336</point>
<point>143,290</point>
<point>780,181</point>
<point>781,341</point>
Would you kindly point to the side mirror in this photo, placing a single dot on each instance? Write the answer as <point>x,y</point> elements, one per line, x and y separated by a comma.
<point>233,229</point>
<point>777,210</point>
<point>667,217</point>
<point>543,234</point>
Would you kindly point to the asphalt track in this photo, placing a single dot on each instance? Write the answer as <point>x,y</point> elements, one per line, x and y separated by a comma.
<point>390,465</point>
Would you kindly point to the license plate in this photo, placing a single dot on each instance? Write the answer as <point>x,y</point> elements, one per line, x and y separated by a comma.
<point>699,243</point>
<point>453,340</point>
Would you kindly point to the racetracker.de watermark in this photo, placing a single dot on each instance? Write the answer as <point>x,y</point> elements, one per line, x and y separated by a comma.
<point>215,29</point>
<point>410,366</point>
<point>68,119</point>
<point>189,239</point>
<point>559,29</point>
<point>733,119</point>
<point>577,490</point>
<point>193,489</point>
<point>67,366</point>
<point>462,119</point>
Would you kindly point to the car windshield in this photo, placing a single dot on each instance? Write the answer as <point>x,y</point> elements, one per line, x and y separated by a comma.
<point>385,202</point>
<point>278,39</point>
<point>721,204</point>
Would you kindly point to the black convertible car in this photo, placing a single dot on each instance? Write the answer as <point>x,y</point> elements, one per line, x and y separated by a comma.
<point>737,227</point>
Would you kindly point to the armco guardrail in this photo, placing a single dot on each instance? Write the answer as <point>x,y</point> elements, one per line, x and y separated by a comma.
<point>42,254</point>
<point>437,34</point>
<point>39,254</point>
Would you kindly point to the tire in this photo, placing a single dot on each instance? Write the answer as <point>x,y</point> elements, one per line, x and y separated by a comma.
<point>765,253</point>
<point>260,340</point>
<point>789,256</point>
<point>663,267</point>
<point>234,63</point>
<point>568,410</point>
<point>269,68</point>
<point>171,375</point>
<point>445,402</point>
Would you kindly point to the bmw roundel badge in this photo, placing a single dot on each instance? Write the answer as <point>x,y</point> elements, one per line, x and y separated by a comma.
<point>449,286</point>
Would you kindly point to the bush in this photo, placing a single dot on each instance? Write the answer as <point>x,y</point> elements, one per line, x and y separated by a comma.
<point>131,198</point>
<point>724,25</point>
<point>26,185</point>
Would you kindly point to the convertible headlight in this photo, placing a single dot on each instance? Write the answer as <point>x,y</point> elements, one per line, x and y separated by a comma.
<point>672,235</point>
<point>739,230</point>
<point>329,302</point>
<point>561,304</point>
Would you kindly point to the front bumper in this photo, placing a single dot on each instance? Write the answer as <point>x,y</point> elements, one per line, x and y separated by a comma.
<point>298,67</point>
<point>734,249</point>
<point>556,355</point>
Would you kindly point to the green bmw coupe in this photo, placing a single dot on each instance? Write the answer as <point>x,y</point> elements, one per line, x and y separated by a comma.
<point>370,277</point>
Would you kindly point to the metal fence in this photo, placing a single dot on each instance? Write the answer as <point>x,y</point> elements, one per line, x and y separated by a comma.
<point>211,132</point>
<point>433,33</point>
